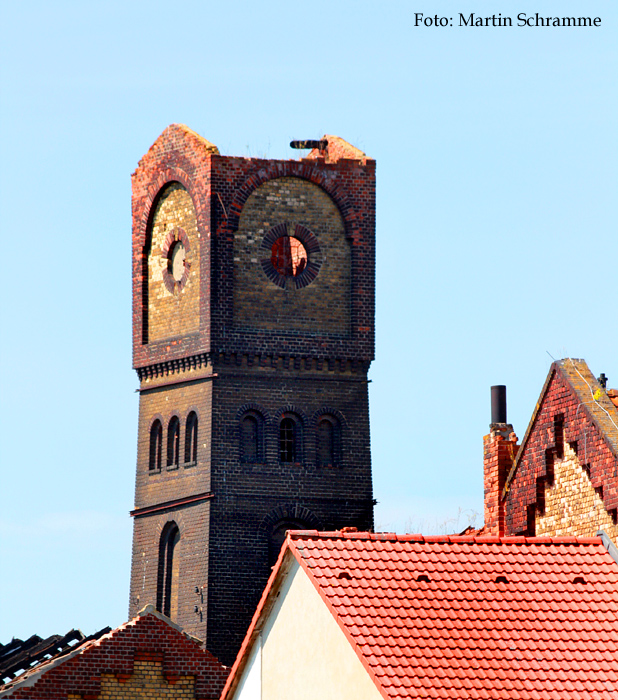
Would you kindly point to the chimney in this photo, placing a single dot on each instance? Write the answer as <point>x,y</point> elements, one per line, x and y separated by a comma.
<point>499,450</point>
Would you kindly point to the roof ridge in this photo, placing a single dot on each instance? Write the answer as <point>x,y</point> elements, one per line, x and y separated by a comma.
<point>439,539</point>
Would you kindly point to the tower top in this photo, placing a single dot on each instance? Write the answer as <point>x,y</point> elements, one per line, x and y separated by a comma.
<point>197,286</point>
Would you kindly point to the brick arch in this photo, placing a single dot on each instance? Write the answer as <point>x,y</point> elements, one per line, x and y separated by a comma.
<point>290,408</point>
<point>155,186</point>
<point>157,416</point>
<point>302,171</point>
<point>291,516</point>
<point>251,406</point>
<point>289,511</point>
<point>171,517</point>
<point>329,411</point>
<point>193,408</point>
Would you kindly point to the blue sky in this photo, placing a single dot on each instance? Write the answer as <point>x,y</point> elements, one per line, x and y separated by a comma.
<point>496,155</point>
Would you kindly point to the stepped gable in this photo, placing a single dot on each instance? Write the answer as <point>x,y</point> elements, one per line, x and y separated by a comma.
<point>574,420</point>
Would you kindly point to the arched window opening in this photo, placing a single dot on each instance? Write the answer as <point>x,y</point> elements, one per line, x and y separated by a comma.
<point>326,443</point>
<point>167,575</point>
<point>251,436</point>
<point>191,439</point>
<point>250,439</point>
<point>173,442</point>
<point>278,535</point>
<point>156,442</point>
<point>290,440</point>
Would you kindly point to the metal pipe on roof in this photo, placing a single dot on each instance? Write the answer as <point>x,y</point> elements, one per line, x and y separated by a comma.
<point>498,404</point>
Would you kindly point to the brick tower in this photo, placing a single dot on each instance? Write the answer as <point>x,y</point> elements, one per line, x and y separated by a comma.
<point>253,331</point>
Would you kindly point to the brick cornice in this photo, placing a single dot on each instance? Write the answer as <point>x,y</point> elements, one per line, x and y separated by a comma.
<point>171,505</point>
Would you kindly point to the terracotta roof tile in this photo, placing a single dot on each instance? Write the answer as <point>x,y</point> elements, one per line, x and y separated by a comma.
<point>462,633</point>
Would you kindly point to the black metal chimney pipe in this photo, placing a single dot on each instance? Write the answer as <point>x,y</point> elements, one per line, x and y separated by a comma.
<point>498,404</point>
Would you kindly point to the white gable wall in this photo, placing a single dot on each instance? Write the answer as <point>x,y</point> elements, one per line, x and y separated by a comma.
<point>304,654</point>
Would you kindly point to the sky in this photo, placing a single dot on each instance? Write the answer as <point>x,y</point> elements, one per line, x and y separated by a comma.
<point>496,154</point>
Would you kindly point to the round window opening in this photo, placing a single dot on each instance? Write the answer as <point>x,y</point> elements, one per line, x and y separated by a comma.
<point>176,261</point>
<point>288,256</point>
<point>291,256</point>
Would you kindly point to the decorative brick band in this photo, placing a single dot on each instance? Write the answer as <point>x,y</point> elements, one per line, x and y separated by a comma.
<point>183,364</point>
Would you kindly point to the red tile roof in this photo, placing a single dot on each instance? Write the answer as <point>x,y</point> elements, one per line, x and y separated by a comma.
<point>471,617</point>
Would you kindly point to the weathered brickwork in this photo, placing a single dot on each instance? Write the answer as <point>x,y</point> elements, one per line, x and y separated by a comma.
<point>147,682</point>
<point>321,307</point>
<point>191,558</point>
<point>146,658</point>
<point>297,351</point>
<point>246,494</point>
<point>163,403</point>
<point>173,314</point>
<point>499,451</point>
<point>569,452</point>
<point>572,506</point>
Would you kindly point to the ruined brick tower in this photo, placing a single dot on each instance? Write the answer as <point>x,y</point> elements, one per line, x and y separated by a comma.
<point>253,331</point>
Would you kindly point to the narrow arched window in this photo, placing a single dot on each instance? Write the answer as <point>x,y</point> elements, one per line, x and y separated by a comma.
<point>191,439</point>
<point>156,443</point>
<point>290,439</point>
<point>167,574</point>
<point>249,439</point>
<point>173,442</point>
<point>326,443</point>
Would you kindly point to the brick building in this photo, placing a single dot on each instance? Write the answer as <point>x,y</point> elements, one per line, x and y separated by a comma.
<point>253,331</point>
<point>362,616</point>
<point>148,657</point>
<point>563,478</point>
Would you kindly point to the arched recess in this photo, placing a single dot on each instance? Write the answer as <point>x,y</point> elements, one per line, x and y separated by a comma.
<point>291,438</point>
<point>191,428</point>
<point>316,299</point>
<point>170,266</point>
<point>168,571</point>
<point>156,446</point>
<point>280,430</point>
<point>329,425</point>
<point>173,443</point>
<point>251,431</point>
<point>275,525</point>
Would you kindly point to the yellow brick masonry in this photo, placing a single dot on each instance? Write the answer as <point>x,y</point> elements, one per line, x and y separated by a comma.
<point>324,305</point>
<point>572,506</point>
<point>146,683</point>
<point>172,315</point>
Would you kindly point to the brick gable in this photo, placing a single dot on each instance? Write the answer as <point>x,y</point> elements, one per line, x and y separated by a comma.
<point>149,647</point>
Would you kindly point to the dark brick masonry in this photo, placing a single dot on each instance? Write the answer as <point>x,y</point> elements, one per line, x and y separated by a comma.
<point>298,351</point>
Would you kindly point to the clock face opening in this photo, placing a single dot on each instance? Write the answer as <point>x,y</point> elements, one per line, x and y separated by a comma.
<point>288,256</point>
<point>176,258</point>
<point>176,261</point>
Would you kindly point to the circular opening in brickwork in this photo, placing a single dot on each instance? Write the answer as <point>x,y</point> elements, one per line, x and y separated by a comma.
<point>291,256</point>
<point>288,256</point>
<point>176,261</point>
